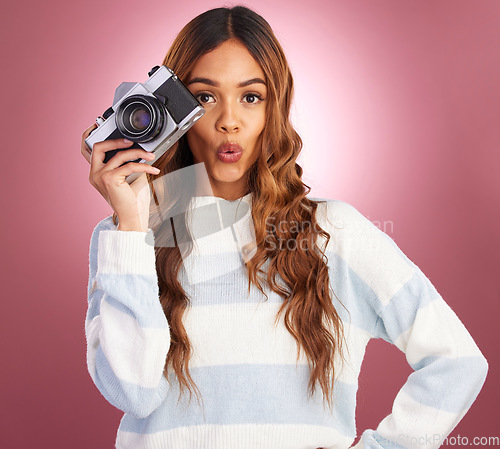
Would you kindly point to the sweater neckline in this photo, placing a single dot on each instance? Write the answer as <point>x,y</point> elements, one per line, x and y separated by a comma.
<point>221,232</point>
<point>212,198</point>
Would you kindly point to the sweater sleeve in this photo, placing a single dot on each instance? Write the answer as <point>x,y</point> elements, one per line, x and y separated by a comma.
<point>448,368</point>
<point>128,337</point>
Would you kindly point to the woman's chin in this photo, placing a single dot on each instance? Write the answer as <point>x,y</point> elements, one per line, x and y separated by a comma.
<point>227,174</point>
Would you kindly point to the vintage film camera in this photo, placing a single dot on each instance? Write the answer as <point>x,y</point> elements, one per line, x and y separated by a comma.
<point>153,115</point>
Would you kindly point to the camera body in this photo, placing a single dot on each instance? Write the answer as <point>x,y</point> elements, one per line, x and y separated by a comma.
<point>153,115</point>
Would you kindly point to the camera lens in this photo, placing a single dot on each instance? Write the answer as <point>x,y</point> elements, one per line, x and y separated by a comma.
<point>140,118</point>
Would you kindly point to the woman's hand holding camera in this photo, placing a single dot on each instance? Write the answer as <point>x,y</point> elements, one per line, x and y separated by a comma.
<point>129,201</point>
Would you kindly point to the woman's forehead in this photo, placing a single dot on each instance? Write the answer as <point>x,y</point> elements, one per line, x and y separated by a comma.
<point>230,64</point>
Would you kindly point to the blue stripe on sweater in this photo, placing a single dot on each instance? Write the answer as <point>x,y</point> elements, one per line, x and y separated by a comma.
<point>399,315</point>
<point>132,289</point>
<point>128,397</point>
<point>354,293</point>
<point>363,303</point>
<point>450,377</point>
<point>215,292</point>
<point>94,304</point>
<point>237,394</point>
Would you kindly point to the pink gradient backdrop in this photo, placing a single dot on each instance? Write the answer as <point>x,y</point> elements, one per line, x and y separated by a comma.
<point>397,102</point>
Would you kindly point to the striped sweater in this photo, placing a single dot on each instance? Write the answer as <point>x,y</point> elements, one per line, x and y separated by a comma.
<point>254,391</point>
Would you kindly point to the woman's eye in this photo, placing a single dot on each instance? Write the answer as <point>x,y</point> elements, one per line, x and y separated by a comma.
<point>253,98</point>
<point>204,98</point>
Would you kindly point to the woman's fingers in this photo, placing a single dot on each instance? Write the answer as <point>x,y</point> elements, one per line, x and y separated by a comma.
<point>110,178</point>
<point>128,155</point>
<point>84,148</point>
<point>133,167</point>
<point>100,148</point>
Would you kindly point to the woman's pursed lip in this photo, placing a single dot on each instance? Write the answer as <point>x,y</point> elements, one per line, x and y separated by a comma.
<point>229,146</point>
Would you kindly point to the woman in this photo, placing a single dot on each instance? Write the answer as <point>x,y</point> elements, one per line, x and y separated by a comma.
<point>270,341</point>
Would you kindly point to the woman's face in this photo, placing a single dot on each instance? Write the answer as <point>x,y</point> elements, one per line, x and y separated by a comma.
<point>230,84</point>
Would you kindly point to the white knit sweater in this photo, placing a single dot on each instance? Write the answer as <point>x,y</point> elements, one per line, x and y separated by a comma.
<point>254,392</point>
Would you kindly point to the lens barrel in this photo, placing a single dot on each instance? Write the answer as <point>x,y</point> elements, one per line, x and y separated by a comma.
<point>140,118</point>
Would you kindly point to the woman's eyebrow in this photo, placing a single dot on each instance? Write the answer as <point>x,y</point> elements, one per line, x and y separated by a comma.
<point>216,84</point>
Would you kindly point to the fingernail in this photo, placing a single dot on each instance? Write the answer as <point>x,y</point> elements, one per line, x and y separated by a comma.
<point>157,170</point>
<point>127,141</point>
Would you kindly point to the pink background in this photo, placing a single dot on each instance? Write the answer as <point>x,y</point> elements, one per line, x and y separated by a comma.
<point>398,105</point>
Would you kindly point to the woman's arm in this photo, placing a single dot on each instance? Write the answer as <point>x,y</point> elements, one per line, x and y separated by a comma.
<point>128,337</point>
<point>449,369</point>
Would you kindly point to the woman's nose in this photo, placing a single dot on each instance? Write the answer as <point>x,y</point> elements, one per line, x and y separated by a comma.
<point>228,121</point>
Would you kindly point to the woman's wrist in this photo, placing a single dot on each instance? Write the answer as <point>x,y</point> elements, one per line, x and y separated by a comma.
<point>130,224</point>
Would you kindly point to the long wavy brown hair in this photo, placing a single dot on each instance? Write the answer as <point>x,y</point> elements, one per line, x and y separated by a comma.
<point>278,196</point>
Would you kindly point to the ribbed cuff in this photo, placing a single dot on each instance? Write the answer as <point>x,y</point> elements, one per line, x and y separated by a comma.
<point>126,252</point>
<point>241,436</point>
